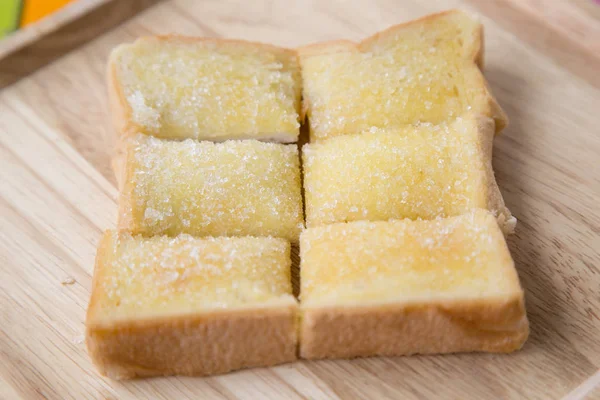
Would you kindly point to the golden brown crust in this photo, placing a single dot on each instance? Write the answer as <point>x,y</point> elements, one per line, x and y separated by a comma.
<point>421,328</point>
<point>203,344</point>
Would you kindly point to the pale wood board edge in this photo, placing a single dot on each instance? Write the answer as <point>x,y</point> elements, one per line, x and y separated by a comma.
<point>77,23</point>
<point>585,389</point>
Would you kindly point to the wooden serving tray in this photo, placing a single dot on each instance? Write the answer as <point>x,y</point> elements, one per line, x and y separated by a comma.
<point>32,47</point>
<point>58,194</point>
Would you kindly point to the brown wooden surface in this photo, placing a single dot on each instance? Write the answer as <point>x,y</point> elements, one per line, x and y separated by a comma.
<point>32,47</point>
<point>57,194</point>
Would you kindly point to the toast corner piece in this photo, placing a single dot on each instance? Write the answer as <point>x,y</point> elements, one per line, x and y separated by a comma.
<point>349,88</point>
<point>451,25</point>
<point>177,87</point>
<point>394,289</point>
<point>154,312</point>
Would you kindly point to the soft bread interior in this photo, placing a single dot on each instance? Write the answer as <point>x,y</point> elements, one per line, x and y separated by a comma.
<point>422,71</point>
<point>175,87</point>
<point>405,261</point>
<point>233,188</point>
<point>140,278</point>
<point>425,171</point>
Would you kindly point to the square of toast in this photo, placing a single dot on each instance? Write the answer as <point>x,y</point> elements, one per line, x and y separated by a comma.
<point>231,188</point>
<point>424,171</point>
<point>178,87</point>
<point>404,287</point>
<point>427,70</point>
<point>190,306</point>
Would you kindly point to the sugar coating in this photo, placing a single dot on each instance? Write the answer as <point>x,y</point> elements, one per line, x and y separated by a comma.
<point>420,72</point>
<point>181,88</point>
<point>233,188</point>
<point>137,276</point>
<point>425,171</point>
<point>362,262</point>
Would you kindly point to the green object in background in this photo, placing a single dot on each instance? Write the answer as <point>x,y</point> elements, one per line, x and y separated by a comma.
<point>10,15</point>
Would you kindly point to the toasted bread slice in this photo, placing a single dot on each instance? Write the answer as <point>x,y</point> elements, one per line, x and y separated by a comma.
<point>403,287</point>
<point>232,188</point>
<point>426,70</point>
<point>189,306</point>
<point>177,87</point>
<point>425,171</point>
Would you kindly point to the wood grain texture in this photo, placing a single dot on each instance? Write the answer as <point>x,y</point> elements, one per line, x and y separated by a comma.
<point>567,31</point>
<point>35,46</point>
<point>57,194</point>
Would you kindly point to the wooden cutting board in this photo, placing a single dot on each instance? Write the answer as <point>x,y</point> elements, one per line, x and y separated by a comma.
<point>57,194</point>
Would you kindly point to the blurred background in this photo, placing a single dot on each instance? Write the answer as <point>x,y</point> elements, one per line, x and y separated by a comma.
<point>16,14</point>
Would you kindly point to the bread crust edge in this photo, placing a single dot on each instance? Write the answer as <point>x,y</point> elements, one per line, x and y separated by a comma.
<point>397,329</point>
<point>216,342</point>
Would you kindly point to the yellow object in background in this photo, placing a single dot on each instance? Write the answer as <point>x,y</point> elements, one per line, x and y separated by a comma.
<point>10,11</point>
<point>34,10</point>
<point>16,14</point>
